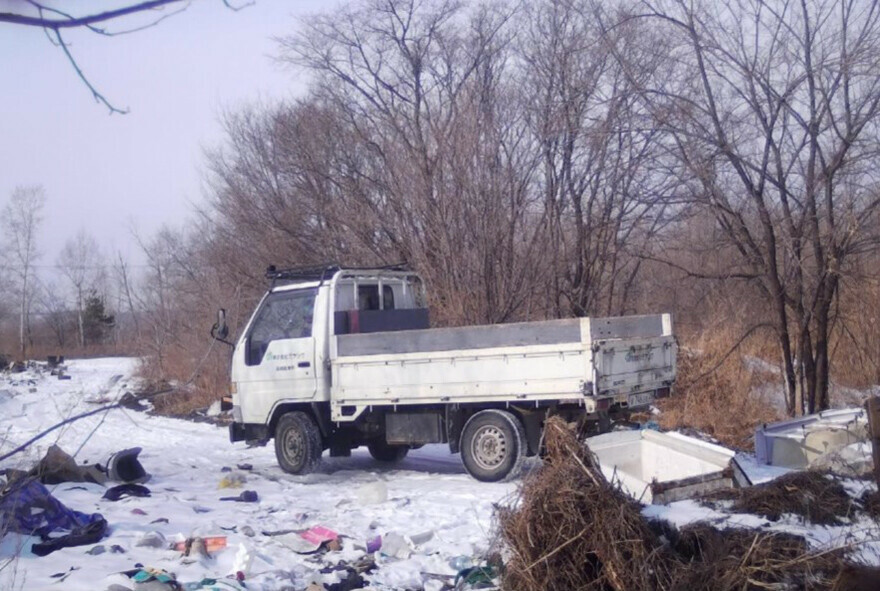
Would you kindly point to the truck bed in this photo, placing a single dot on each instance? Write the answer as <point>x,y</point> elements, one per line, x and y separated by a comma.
<point>579,360</point>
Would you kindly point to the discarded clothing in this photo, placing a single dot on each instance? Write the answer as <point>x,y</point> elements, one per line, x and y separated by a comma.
<point>28,508</point>
<point>80,536</point>
<point>126,490</point>
<point>58,466</point>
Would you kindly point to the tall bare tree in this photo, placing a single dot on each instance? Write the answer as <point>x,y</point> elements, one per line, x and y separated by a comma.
<point>774,107</point>
<point>598,151</point>
<point>21,220</point>
<point>82,263</point>
<point>410,80</point>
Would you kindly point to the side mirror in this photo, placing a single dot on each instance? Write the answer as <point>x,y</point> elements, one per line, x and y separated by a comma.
<point>220,330</point>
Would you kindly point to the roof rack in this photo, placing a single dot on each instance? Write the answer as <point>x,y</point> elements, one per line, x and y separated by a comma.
<point>322,272</point>
<point>311,273</point>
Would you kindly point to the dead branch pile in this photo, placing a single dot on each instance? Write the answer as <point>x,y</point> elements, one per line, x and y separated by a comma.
<point>573,530</point>
<point>813,495</point>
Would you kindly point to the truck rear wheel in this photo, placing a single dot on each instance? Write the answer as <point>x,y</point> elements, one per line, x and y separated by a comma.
<point>385,452</point>
<point>493,445</point>
<point>297,443</point>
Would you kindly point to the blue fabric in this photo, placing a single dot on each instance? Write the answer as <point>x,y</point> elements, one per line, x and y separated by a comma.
<point>29,508</point>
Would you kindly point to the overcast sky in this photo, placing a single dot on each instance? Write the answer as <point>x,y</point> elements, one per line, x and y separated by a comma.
<point>107,173</point>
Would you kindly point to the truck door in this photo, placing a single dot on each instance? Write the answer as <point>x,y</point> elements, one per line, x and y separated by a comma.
<point>279,350</point>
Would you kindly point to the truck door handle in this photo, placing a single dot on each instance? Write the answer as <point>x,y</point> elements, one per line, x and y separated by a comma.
<point>304,364</point>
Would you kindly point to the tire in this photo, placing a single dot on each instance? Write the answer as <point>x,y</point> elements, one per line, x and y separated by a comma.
<point>297,443</point>
<point>385,452</point>
<point>493,446</point>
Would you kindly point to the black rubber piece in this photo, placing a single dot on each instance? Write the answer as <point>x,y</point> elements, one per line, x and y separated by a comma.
<point>385,452</point>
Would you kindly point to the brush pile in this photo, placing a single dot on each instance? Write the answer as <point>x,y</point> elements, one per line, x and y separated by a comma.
<point>815,496</point>
<point>571,529</point>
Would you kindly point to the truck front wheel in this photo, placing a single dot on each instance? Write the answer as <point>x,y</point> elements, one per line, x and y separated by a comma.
<point>493,445</point>
<point>385,452</point>
<point>297,443</point>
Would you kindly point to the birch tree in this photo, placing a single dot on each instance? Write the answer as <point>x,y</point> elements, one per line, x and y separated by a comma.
<point>21,221</point>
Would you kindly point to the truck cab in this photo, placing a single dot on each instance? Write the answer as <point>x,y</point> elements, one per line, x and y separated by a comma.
<point>282,357</point>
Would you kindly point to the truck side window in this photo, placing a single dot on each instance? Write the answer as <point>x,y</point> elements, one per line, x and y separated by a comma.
<point>284,315</point>
<point>368,297</point>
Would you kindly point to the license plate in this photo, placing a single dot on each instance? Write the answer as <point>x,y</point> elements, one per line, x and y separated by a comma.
<point>640,399</point>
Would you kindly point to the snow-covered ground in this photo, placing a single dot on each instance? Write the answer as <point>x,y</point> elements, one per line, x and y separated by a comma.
<point>427,496</point>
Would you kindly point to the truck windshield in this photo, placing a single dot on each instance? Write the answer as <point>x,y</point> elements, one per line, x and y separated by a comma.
<point>284,315</point>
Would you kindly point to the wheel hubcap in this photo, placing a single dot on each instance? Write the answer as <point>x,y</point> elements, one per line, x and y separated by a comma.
<point>489,447</point>
<point>294,447</point>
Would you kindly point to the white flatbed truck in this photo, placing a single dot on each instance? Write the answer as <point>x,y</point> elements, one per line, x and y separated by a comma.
<point>336,358</point>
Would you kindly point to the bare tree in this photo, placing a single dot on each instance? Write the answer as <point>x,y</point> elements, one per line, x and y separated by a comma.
<point>20,222</point>
<point>598,151</point>
<point>440,164</point>
<point>773,107</point>
<point>125,299</point>
<point>81,262</point>
<point>54,21</point>
<point>55,313</point>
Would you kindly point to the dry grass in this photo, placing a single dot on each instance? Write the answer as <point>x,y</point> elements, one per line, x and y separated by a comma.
<point>716,392</point>
<point>572,530</point>
<point>197,383</point>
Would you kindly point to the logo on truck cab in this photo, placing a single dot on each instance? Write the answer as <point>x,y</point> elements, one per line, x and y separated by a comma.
<point>283,356</point>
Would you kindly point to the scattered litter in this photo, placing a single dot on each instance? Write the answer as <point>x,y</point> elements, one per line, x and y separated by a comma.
<point>374,544</point>
<point>137,511</point>
<point>478,577</point>
<point>160,520</point>
<point>210,543</point>
<point>214,409</point>
<point>152,539</point>
<point>246,467</point>
<point>121,491</point>
<point>58,466</point>
<point>319,534</point>
<point>157,579</point>
<point>233,480</point>
<point>307,541</point>
<point>246,496</point>
<point>395,545</point>
<point>460,563</point>
<point>64,575</point>
<point>372,493</point>
<point>420,538</point>
<point>124,466</point>
<point>27,507</point>
<point>241,564</point>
